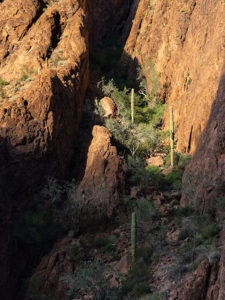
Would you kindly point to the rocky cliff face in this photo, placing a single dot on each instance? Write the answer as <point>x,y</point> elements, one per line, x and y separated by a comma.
<point>44,70</point>
<point>183,45</point>
<point>44,73</point>
<point>204,178</point>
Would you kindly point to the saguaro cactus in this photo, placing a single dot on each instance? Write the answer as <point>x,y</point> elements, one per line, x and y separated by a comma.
<point>132,106</point>
<point>46,63</point>
<point>133,237</point>
<point>171,137</point>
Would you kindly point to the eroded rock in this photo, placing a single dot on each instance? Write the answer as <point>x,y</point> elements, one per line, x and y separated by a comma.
<point>104,173</point>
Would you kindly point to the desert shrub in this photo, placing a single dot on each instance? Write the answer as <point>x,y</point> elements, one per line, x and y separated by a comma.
<point>183,161</point>
<point>146,178</point>
<point>90,276</point>
<point>107,244</point>
<point>141,289</point>
<point>136,275</point>
<point>145,210</point>
<point>145,254</point>
<point>57,58</point>
<point>38,227</point>
<point>180,160</point>
<point>200,235</point>
<point>53,190</point>
<point>210,231</point>
<point>174,179</point>
<point>184,211</point>
<point>185,233</point>
<point>3,82</point>
<point>26,73</point>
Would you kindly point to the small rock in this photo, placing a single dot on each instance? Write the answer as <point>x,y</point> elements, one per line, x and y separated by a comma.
<point>124,264</point>
<point>167,170</point>
<point>155,161</point>
<point>109,107</point>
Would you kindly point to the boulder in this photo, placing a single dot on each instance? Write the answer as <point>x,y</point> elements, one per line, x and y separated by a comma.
<point>155,161</point>
<point>109,107</point>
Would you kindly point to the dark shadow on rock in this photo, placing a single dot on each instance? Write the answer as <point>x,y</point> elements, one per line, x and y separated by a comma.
<point>207,168</point>
<point>23,174</point>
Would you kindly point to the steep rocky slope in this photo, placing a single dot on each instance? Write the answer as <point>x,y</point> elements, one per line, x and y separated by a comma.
<point>44,69</point>
<point>204,178</point>
<point>44,74</point>
<point>182,42</point>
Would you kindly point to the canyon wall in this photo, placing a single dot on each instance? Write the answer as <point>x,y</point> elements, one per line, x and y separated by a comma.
<point>44,71</point>
<point>181,43</point>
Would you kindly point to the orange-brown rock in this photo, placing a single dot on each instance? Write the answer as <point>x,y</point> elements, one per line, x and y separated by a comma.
<point>194,288</point>
<point>109,107</point>
<point>166,39</point>
<point>15,20</point>
<point>46,281</point>
<point>104,173</point>
<point>44,57</point>
<point>207,282</point>
<point>204,178</point>
<point>155,161</point>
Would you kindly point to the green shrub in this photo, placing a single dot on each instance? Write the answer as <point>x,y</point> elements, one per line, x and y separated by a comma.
<point>174,179</point>
<point>138,273</point>
<point>90,276</point>
<point>145,210</point>
<point>145,254</point>
<point>3,82</point>
<point>141,289</point>
<point>147,178</point>
<point>185,233</point>
<point>184,211</point>
<point>210,231</point>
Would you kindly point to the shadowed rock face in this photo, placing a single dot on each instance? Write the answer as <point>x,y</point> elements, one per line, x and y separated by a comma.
<point>204,178</point>
<point>44,56</point>
<point>206,283</point>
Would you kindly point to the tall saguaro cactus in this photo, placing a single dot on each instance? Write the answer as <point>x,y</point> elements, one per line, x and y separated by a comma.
<point>132,106</point>
<point>133,237</point>
<point>171,137</point>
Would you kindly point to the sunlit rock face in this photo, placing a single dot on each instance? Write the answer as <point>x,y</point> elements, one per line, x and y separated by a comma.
<point>44,68</point>
<point>186,58</point>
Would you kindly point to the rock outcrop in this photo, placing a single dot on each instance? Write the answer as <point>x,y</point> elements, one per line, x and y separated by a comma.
<point>104,177</point>
<point>195,288</point>
<point>207,282</point>
<point>185,58</point>
<point>47,279</point>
